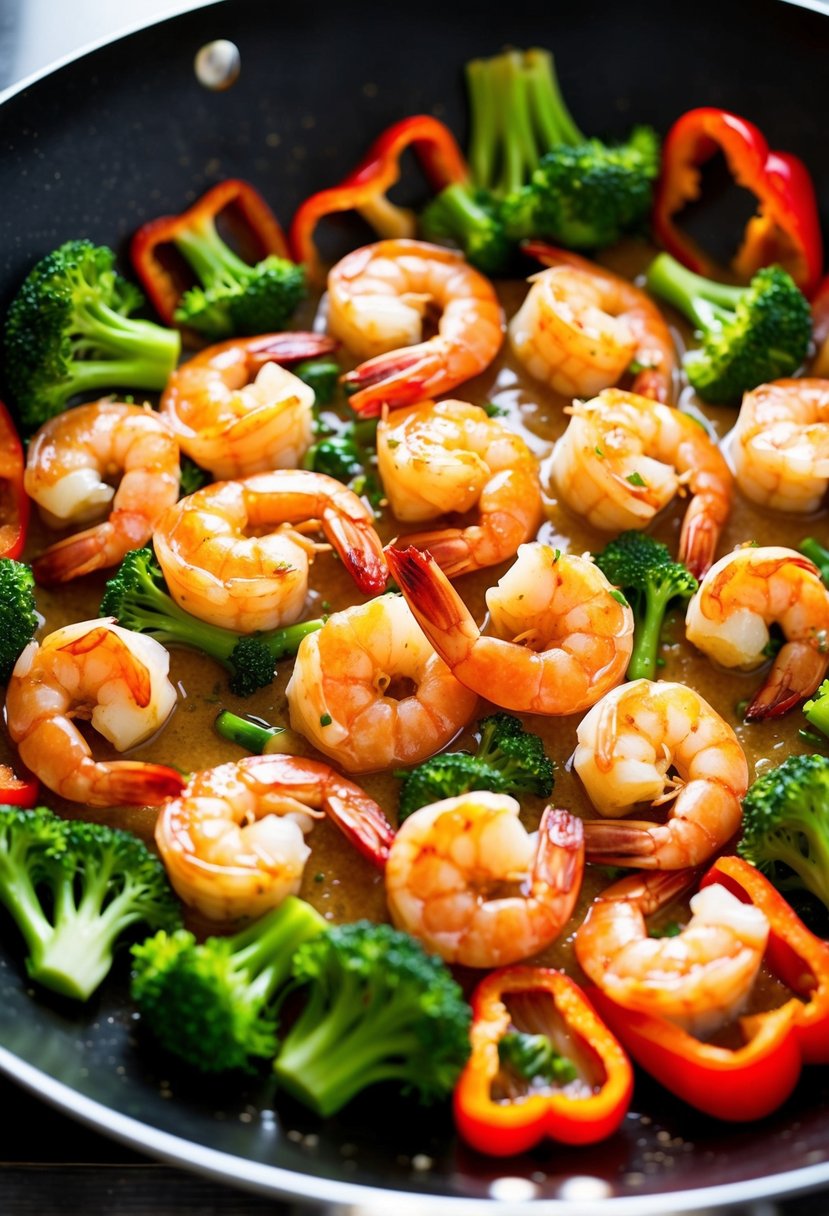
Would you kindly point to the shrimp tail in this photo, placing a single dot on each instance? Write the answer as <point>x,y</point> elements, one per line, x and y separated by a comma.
<point>654,382</point>
<point>288,348</point>
<point>131,783</point>
<point>360,549</point>
<point>449,547</point>
<point>400,377</point>
<point>652,890</point>
<point>70,558</point>
<point>363,824</point>
<point>796,673</point>
<point>698,541</point>
<point>436,606</point>
<point>559,860</point>
<point>616,843</point>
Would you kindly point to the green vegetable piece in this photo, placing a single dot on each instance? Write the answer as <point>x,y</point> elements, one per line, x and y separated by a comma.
<point>534,1058</point>
<point>19,620</point>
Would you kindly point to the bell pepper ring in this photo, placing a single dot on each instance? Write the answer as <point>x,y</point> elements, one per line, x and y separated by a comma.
<point>18,791</point>
<point>14,501</point>
<point>786,226</point>
<point>365,190</point>
<point>506,1126</point>
<point>162,282</point>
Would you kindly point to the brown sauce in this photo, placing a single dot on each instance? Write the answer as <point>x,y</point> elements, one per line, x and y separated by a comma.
<point>337,881</point>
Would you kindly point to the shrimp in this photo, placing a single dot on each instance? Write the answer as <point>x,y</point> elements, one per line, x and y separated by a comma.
<point>781,445</point>
<point>377,299</point>
<point>728,619</point>
<point>701,978</point>
<point>449,864</point>
<point>581,328</point>
<point>233,840</point>
<point>369,691</point>
<point>235,409</point>
<point>564,635</point>
<point>628,744</point>
<point>444,456</point>
<point>223,575</point>
<point>69,460</point>
<point>94,671</point>
<point>624,457</point>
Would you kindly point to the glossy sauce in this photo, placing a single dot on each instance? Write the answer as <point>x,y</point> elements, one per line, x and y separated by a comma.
<point>339,882</point>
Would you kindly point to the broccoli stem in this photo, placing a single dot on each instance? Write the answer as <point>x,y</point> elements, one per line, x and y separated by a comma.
<point>705,302</point>
<point>265,949</point>
<point>646,633</point>
<point>816,553</point>
<point>817,712</point>
<point>462,212</point>
<point>212,260</point>
<point>252,737</point>
<point>144,354</point>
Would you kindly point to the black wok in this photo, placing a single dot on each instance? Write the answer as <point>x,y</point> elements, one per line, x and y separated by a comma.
<point>127,133</point>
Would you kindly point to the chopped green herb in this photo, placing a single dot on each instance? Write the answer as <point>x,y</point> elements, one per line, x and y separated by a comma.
<point>636,479</point>
<point>325,719</point>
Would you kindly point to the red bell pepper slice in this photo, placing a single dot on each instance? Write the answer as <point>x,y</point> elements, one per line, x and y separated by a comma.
<point>365,189</point>
<point>161,280</point>
<point>14,501</point>
<point>786,226</point>
<point>794,954</point>
<point>18,791</point>
<point>502,1127</point>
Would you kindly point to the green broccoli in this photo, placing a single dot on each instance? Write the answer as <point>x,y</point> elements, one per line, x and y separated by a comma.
<point>533,1057</point>
<point>69,332</point>
<point>322,375</point>
<point>786,825</point>
<point>749,335</point>
<point>377,1008</point>
<point>534,174</point>
<point>138,598</point>
<point>18,613</point>
<point>349,456</point>
<point>644,569</point>
<point>508,760</point>
<point>251,735</point>
<point>817,709</point>
<point>817,553</point>
<point>193,477</point>
<point>213,1004</point>
<point>97,882</point>
<point>232,297</point>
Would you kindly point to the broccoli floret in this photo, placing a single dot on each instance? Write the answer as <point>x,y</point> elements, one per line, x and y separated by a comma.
<point>817,709</point>
<point>212,1004</point>
<point>786,825</point>
<point>349,456</point>
<point>234,297</point>
<point>69,332</point>
<point>97,882</point>
<point>650,578</point>
<point>193,477</point>
<point>533,1057</point>
<point>818,554</point>
<point>18,613</point>
<point>322,375</point>
<point>534,174</point>
<point>508,760</point>
<point>378,1008</point>
<point>749,335</point>
<point>137,597</point>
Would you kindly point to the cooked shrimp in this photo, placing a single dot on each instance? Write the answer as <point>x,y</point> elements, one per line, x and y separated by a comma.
<point>581,328</point>
<point>624,457</point>
<point>627,746</point>
<point>563,635</point>
<point>781,445</point>
<point>728,619</point>
<point>235,409</point>
<point>699,979</point>
<point>233,840</point>
<point>221,574</point>
<point>368,690</point>
<point>444,456</point>
<point>449,864</point>
<point>377,299</point>
<point>93,671</point>
<point>69,461</point>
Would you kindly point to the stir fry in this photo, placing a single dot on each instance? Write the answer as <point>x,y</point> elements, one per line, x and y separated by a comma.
<point>497,578</point>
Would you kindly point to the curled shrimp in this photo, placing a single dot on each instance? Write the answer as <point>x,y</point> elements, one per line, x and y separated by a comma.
<point>230,558</point>
<point>369,691</point>
<point>701,978</point>
<point>377,299</point>
<point>564,635</point>
<point>236,410</point>
<point>624,457</point>
<point>658,743</point>
<point>581,328</point>
<point>448,456</point>
<point>92,671</point>
<point>781,445</point>
<point>744,593</point>
<point>69,461</point>
<point>233,840</point>
<point>450,862</point>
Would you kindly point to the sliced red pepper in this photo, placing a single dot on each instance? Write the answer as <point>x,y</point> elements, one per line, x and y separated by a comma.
<point>512,1125</point>
<point>18,791</point>
<point>793,954</point>
<point>786,227</point>
<point>14,501</point>
<point>161,280</point>
<point>365,189</point>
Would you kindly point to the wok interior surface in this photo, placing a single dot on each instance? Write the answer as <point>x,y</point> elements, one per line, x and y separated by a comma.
<point>125,134</point>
